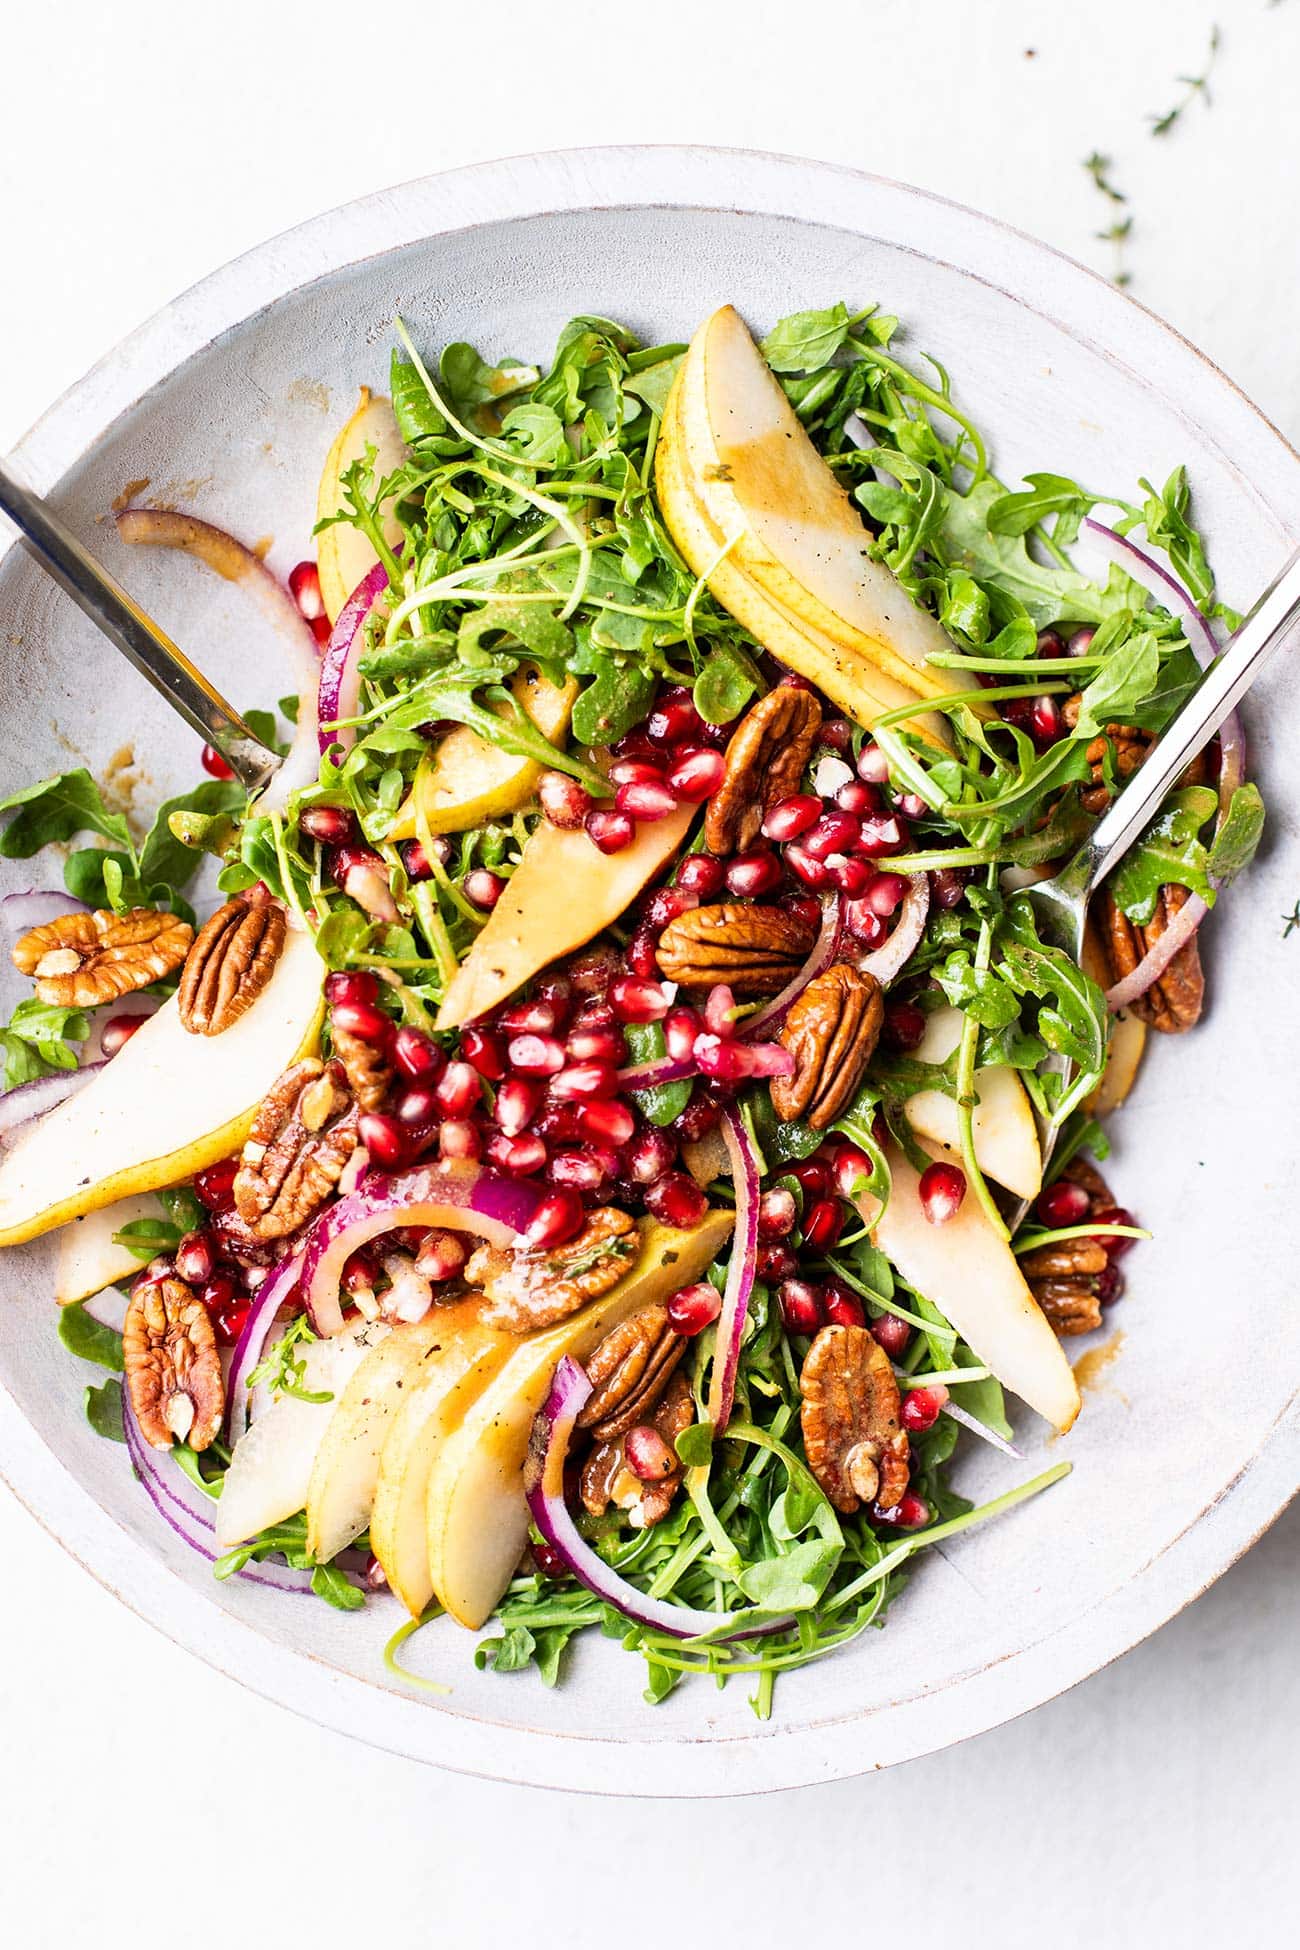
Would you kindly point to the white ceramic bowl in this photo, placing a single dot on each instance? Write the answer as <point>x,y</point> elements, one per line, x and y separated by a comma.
<point>1188,1444</point>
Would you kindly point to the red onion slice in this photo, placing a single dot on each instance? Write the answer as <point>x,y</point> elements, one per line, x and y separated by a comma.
<point>889,960</point>
<point>1158,957</point>
<point>824,951</point>
<point>1158,582</point>
<point>276,1290</point>
<point>740,1270</point>
<point>35,907</point>
<point>28,1101</point>
<point>340,675</point>
<point>663,1069</point>
<point>168,528</point>
<point>544,1489</point>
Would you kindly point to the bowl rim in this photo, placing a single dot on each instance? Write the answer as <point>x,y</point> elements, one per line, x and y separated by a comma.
<point>1077,300</point>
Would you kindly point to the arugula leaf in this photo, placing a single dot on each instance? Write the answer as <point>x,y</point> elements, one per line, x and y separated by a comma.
<point>654,383</point>
<point>470,383</point>
<point>792,1580</point>
<point>807,339</point>
<point>167,860</point>
<point>89,1338</point>
<point>1169,851</point>
<point>336,1588</point>
<point>617,698</point>
<point>645,1042</point>
<point>102,1406</point>
<point>56,808</point>
<point>1165,514</point>
<point>39,1038</point>
<point>1237,840</point>
<point>416,415</point>
<point>146,1238</point>
<point>727,680</point>
<point>1124,679</point>
<point>1049,595</point>
<point>1048,494</point>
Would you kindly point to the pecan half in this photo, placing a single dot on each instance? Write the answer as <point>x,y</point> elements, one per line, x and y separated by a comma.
<point>1175,999</point>
<point>629,1371</point>
<point>765,762</point>
<point>1126,746</point>
<point>173,1369</point>
<point>232,959</point>
<point>852,1437</point>
<point>81,960</point>
<point>606,1478</point>
<point>831,1031</point>
<point>525,1289</point>
<point>303,1134</point>
<point>1069,1278</point>
<point>755,950</point>
<point>367,1069</point>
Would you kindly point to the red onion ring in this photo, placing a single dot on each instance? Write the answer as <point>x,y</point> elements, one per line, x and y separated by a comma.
<point>168,528</point>
<point>34,907</point>
<point>740,1269</point>
<point>275,1291</point>
<point>663,1069</point>
<point>340,678</point>
<point>1158,582</point>
<point>824,951</point>
<point>544,1489</point>
<point>27,1101</point>
<point>889,960</point>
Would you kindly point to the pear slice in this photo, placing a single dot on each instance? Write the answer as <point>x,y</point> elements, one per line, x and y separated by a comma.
<point>466,780</point>
<point>271,1468</point>
<point>87,1260</point>
<point>1128,1036</point>
<point>477,1516</point>
<point>848,679</point>
<point>452,1376</point>
<point>167,1105</point>
<point>564,891</point>
<point>1006,1136</point>
<point>971,1274</point>
<point>343,554</point>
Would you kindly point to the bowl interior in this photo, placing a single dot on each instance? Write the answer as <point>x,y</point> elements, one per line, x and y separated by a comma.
<point>237,432</point>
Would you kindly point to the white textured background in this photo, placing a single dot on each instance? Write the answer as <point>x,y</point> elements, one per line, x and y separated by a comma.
<point>144,1797</point>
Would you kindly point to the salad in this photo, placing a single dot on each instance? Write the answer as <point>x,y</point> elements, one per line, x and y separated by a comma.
<point>584,1171</point>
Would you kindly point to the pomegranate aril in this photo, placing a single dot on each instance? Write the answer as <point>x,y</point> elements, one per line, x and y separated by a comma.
<point>583,1080</point>
<point>681,1027</point>
<point>886,894</point>
<point>848,1166</point>
<point>633,999</point>
<point>913,1512</point>
<point>558,1123</point>
<point>941,1191</point>
<point>1081,641</point>
<point>416,1055</point>
<point>904,1025</point>
<point>635,744</point>
<point>458,1138</point>
<point>777,1213</point>
<point>674,719</point>
<point>610,831</point>
<point>790,817</point>
<point>813,1176</point>
<point>665,904</point>
<point>385,1138</point>
<point>1110,1284</point>
<point>911,805</point>
<point>536,1018</point>
<point>196,1258</point>
<point>700,874</point>
<point>363,1019</point>
<point>728,1061</point>
<point>440,1255</point>
<point>1063,1204</point>
<point>948,886</point>
<point>548,1560</point>
<point>214,764</point>
<point>230,1321</point>
<point>806,908</point>
<point>647,1454</point>
<point>881,833</point>
<point>563,801</point>
<point>823,1223</point>
<point>801,1306</point>
<point>693,1308</point>
<point>696,772</point>
<point>352,985</point>
<point>483,887</point>
<point>304,587</point>
<point>417,862</point>
<point>921,1408</point>
<point>648,1155</point>
<point>558,1216</point>
<point>835,832</point>
<point>518,1102</point>
<point>850,875</point>
<point>360,1271</point>
<point>858,797</point>
<point>417,1103</point>
<point>645,801</point>
<point>557,994</point>
<point>517,1155</point>
<point>842,1308</point>
<point>117,1031</point>
<point>485,1051</point>
<point>215,1186</point>
<point>775,1261</point>
<point>331,825</point>
<point>813,873</point>
<point>873,766</point>
<point>458,1089</point>
<point>863,924</point>
<point>595,1042</point>
<point>751,874</point>
<point>893,1335</point>
<point>1045,721</point>
<point>836,734</point>
<point>702,1114</point>
<point>583,1169</point>
<point>535,1055</point>
<point>322,629</point>
<point>636,771</point>
<point>606,1120</point>
<point>641,953</point>
<point>676,1200</point>
<point>1114,1215</point>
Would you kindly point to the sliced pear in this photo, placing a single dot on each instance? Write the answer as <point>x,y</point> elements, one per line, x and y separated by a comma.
<point>343,554</point>
<point>973,1277</point>
<point>168,1104</point>
<point>467,780</point>
<point>88,1261</point>
<point>452,1376</point>
<point>1006,1136</point>
<point>564,891</point>
<point>270,1470</point>
<point>477,1517</point>
<point>1128,1036</point>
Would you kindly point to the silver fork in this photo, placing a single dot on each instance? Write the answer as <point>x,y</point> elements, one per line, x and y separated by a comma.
<point>1060,905</point>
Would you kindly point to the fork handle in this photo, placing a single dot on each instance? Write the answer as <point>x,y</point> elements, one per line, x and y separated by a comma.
<point>1188,733</point>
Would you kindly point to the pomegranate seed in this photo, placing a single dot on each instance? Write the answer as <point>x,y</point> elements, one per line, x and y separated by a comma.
<point>777,1213</point>
<point>215,1186</point>
<point>835,832</point>
<point>610,831</point>
<point>635,1000</point>
<point>304,587</point>
<point>829,775</point>
<point>353,985</point>
<point>563,801</point>
<point>458,1089</point>
<point>636,771</point>
<point>458,1138</point>
<point>647,1454</point>
<point>696,772</point>
<point>665,904</point>
<point>843,1309</point>
<point>384,1137</point>
<point>348,860</point>
<point>822,1225</point>
<point>912,805</point>
<point>117,1031</point>
<point>214,764</point>
<point>681,1027</point>
<point>881,833</point>
<point>948,886</point>
<point>641,953</point>
<point>1064,1204</point>
<point>886,893</point>
<point>812,872</point>
<point>518,1102</point>
<point>645,801</point>
<point>558,1216</point>
<point>322,629</point>
<point>700,874</point>
<point>416,861</point>
<point>921,1408</point>
<point>1110,1284</point>
<point>416,1055</point>
<point>942,1189</point>
<point>537,1018</point>
<point>485,1051</point>
<point>873,766</point>
<point>484,887</point>
<point>775,1261</point>
<point>674,719</point>
<point>535,1055</point>
<point>751,874</point>
<point>1045,721</point>
<point>719,1009</point>
<point>904,1025</point>
<point>912,1513</point>
<point>195,1258</point>
<point>702,1114</point>
<point>1115,1215</point>
<point>606,1120</point>
<point>584,1170</point>
<point>363,1019</point>
<point>331,825</point>
<point>418,1103</point>
<point>893,1335</point>
<point>813,1176</point>
<point>635,744</point>
<point>581,1080</point>
<point>360,1270</point>
<point>229,1321</point>
<point>858,797</point>
<point>517,1155</point>
<point>558,1123</point>
<point>848,1166</point>
<point>728,1061</point>
<point>648,1155</point>
<point>693,1308</point>
<point>788,818</point>
<point>851,875</point>
<point>547,1559</point>
<point>1081,641</point>
<point>558,996</point>
<point>596,1042</point>
<point>801,1306</point>
<point>676,1200</point>
<point>864,925</point>
<point>441,1255</point>
<point>836,734</point>
<point>1049,644</point>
